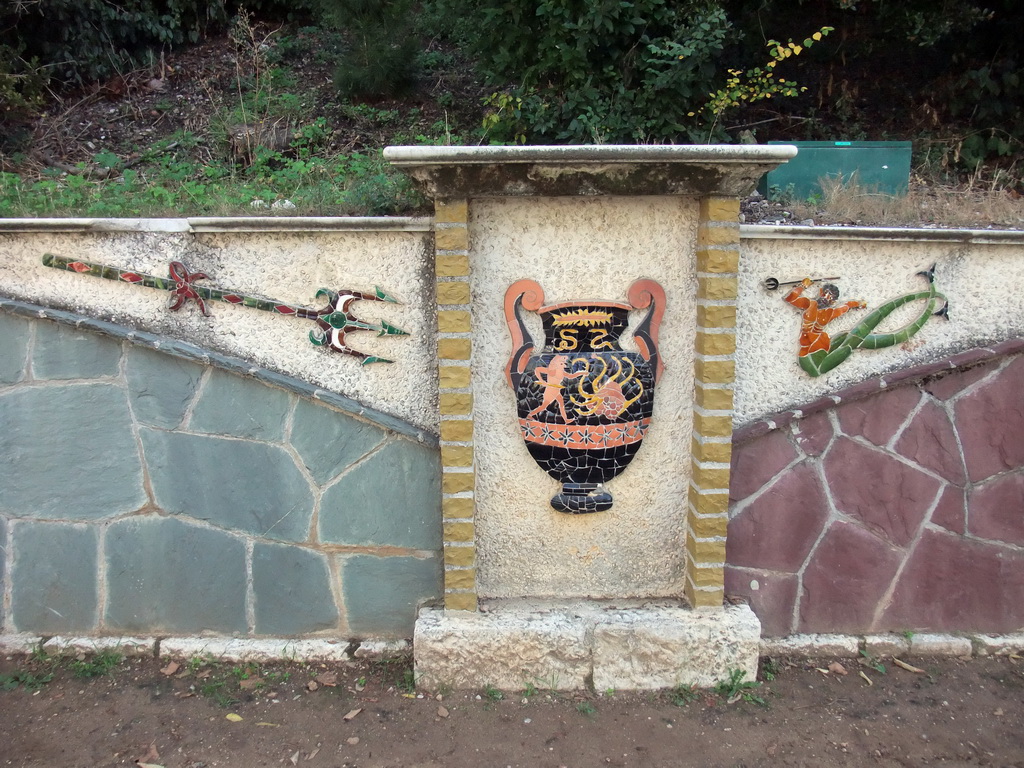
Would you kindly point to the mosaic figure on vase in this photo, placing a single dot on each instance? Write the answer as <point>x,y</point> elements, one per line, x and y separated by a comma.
<point>820,352</point>
<point>584,403</point>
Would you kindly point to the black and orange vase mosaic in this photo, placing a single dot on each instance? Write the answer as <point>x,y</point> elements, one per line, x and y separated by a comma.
<point>584,403</point>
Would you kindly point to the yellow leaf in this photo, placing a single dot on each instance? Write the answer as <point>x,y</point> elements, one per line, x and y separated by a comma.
<point>233,718</point>
<point>797,49</point>
<point>816,35</point>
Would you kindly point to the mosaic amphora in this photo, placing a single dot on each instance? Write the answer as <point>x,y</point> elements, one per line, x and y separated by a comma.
<point>584,403</point>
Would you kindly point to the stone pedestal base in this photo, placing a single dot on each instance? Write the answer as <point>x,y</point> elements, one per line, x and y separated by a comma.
<point>572,645</point>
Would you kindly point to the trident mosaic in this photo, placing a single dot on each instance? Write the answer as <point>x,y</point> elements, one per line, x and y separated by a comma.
<point>334,321</point>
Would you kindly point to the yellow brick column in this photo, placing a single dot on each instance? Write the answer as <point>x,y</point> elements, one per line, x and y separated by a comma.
<point>718,255</point>
<point>454,352</point>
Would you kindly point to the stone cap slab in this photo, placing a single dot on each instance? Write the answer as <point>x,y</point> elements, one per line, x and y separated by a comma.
<point>607,169</point>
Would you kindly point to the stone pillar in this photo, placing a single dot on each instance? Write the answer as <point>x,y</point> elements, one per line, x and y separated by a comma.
<point>630,596</point>
<point>454,352</point>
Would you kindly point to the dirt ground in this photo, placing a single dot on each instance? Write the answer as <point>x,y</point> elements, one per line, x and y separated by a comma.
<point>203,713</point>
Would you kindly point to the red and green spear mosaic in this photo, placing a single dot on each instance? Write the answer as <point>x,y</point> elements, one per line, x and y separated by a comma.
<point>334,321</point>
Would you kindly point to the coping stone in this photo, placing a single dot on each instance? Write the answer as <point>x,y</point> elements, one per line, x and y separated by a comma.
<point>292,588</point>
<point>233,406</point>
<point>570,645</point>
<point>53,577</point>
<point>68,452</point>
<point>846,646</point>
<point>247,649</point>
<point>382,594</point>
<point>65,353</point>
<point>886,645</point>
<point>235,484</point>
<point>998,645</point>
<point>14,335</point>
<point>160,386</point>
<point>928,644</point>
<point>392,498</point>
<point>166,575</point>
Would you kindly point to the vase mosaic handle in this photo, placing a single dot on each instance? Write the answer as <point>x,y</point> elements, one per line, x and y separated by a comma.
<point>642,294</point>
<point>528,294</point>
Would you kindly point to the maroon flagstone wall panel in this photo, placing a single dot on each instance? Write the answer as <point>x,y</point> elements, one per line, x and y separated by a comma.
<point>899,508</point>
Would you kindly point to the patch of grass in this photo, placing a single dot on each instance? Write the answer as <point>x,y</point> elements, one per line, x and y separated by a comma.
<point>27,679</point>
<point>870,661</point>
<point>770,669</point>
<point>682,695</point>
<point>493,694</point>
<point>586,708</point>
<point>735,688</point>
<point>97,665</point>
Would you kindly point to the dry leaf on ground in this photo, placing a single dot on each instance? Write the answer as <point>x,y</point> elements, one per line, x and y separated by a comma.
<point>352,714</point>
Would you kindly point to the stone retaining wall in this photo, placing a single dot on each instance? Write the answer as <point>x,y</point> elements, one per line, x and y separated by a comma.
<point>150,488</point>
<point>890,506</point>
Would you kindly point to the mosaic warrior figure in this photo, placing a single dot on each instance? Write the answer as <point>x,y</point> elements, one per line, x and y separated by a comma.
<point>820,353</point>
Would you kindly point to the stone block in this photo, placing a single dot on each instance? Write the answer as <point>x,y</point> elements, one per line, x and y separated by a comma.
<point>457,431</point>
<point>329,441</point>
<point>812,646</point>
<point>719,209</point>
<point>68,452</point>
<point>990,421</point>
<point>63,352</point>
<point>886,645</point>
<point>930,644</point>
<point>451,238</point>
<point>454,349</point>
<point>292,589</point>
<point>712,425</point>
<point>391,499</point>
<point>53,578</point>
<point>458,482</point>
<point>505,649</point>
<point>813,434</point>
<point>715,343</point>
<point>164,575</point>
<point>845,579</point>
<point>382,594</point>
<point>715,371</point>
<point>451,211</point>
<point>869,484</point>
<point>729,234</point>
<point>713,399</point>
<point>708,451</point>
<point>460,557</point>
<point>650,648</point>
<point>759,461</point>
<point>455,404</point>
<point>453,293</point>
<point>160,386</point>
<point>452,265</point>
<point>453,321</point>
<point>951,511</point>
<point>716,316</point>
<point>234,406</point>
<point>235,484</point>
<point>461,532</point>
<point>879,417</point>
<point>996,509</point>
<point>720,260</point>
<point>14,336</point>
<point>457,508</point>
<point>460,578</point>
<point>930,442</point>
<point>946,387</point>
<point>770,595</point>
<point>720,288</point>
<point>952,584</point>
<point>453,376</point>
<point>461,601</point>
<point>573,645</point>
<point>457,455</point>
<point>998,645</point>
<point>777,530</point>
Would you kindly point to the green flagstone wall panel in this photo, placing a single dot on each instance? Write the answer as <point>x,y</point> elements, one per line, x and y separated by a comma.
<point>382,594</point>
<point>149,487</point>
<point>68,452</point>
<point>164,575</point>
<point>61,352</point>
<point>403,511</point>
<point>160,387</point>
<point>237,484</point>
<point>53,577</point>
<point>14,336</point>
<point>231,405</point>
<point>292,588</point>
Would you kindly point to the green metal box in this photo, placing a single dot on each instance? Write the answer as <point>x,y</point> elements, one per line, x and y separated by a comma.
<point>882,166</point>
